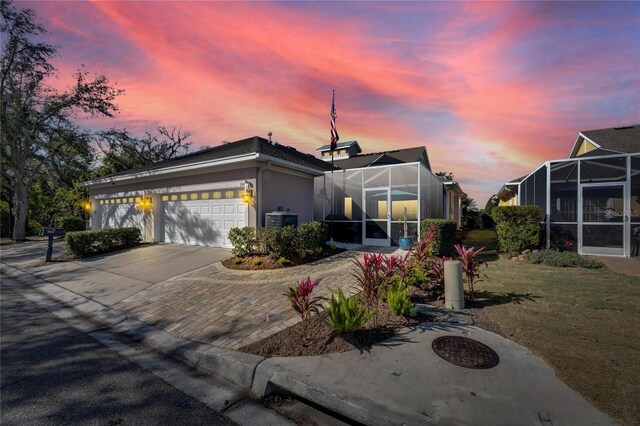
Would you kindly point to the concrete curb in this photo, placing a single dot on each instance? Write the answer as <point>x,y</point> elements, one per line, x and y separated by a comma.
<point>234,367</point>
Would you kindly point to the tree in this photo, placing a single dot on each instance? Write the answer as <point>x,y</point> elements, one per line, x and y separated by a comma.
<point>122,151</point>
<point>492,203</point>
<point>469,212</point>
<point>445,175</point>
<point>36,119</point>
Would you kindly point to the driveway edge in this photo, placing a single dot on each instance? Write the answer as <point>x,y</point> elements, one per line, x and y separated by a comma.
<point>234,367</point>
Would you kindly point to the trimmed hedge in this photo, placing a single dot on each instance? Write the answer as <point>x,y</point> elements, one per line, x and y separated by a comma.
<point>563,259</point>
<point>446,235</point>
<point>517,228</point>
<point>243,240</point>
<point>91,243</point>
<point>73,224</point>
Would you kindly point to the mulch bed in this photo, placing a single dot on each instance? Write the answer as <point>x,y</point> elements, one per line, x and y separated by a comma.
<point>258,263</point>
<point>321,339</point>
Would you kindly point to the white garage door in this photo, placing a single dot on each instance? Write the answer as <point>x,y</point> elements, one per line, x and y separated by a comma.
<point>120,213</point>
<point>204,222</point>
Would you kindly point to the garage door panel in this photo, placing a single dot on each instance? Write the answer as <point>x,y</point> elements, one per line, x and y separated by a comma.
<point>202,222</point>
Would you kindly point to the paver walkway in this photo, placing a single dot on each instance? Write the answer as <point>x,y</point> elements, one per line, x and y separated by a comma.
<point>232,308</point>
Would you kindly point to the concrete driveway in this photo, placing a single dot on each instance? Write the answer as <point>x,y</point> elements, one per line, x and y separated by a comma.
<point>113,277</point>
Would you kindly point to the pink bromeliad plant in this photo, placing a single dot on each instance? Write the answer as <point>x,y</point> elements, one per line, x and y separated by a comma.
<point>302,301</point>
<point>470,265</point>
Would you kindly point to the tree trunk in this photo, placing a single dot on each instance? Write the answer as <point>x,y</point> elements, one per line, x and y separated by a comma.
<point>21,209</point>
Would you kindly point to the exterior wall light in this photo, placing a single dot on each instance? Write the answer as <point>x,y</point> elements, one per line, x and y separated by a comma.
<point>247,193</point>
<point>145,204</point>
<point>86,205</point>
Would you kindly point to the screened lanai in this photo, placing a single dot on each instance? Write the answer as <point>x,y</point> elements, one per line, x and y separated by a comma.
<point>369,204</point>
<point>589,204</point>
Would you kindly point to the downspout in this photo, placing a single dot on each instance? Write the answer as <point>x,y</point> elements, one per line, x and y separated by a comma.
<point>259,194</point>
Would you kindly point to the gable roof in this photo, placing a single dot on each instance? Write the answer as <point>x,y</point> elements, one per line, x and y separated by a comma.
<point>617,139</point>
<point>347,144</point>
<point>398,156</point>
<point>253,145</point>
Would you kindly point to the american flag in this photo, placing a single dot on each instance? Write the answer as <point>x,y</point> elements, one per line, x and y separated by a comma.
<point>334,133</point>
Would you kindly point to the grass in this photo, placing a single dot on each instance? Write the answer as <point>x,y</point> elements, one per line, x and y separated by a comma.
<point>583,322</point>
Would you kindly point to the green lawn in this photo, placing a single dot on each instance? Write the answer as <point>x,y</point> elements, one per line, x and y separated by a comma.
<point>584,322</point>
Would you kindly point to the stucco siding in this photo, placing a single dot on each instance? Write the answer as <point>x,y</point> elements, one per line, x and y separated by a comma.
<point>287,191</point>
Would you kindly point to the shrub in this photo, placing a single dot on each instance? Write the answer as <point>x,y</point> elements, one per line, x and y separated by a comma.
<point>517,228</point>
<point>282,260</point>
<point>5,218</point>
<point>243,241</point>
<point>470,266</point>
<point>445,235</point>
<point>563,259</point>
<point>398,298</point>
<point>301,300</point>
<point>257,261</point>
<point>33,228</point>
<point>312,235</point>
<point>278,243</point>
<point>236,260</point>
<point>370,275</point>
<point>347,314</point>
<point>73,223</point>
<point>318,251</point>
<point>302,255</point>
<point>91,243</point>
<point>437,269</point>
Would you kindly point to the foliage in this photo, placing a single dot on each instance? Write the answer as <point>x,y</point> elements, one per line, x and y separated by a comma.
<point>38,131</point>
<point>287,242</point>
<point>398,298</point>
<point>301,300</point>
<point>492,203</point>
<point>563,259</point>
<point>347,314</point>
<point>484,221</point>
<point>5,219</point>
<point>243,240</point>
<point>33,228</point>
<point>445,237</point>
<point>517,228</point>
<point>72,224</point>
<point>282,260</point>
<point>371,275</point>
<point>424,248</point>
<point>470,266</point>
<point>90,243</point>
<point>469,213</point>
<point>257,261</point>
<point>318,251</point>
<point>312,235</point>
<point>437,269</point>
<point>123,151</point>
<point>236,260</point>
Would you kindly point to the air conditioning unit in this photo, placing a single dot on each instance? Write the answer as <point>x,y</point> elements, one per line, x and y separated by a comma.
<point>280,219</point>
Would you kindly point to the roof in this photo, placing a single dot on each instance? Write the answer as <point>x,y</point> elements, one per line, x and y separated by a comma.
<point>251,145</point>
<point>517,180</point>
<point>618,139</point>
<point>341,145</point>
<point>398,156</point>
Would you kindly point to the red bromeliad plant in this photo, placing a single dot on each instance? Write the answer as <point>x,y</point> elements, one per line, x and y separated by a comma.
<point>437,267</point>
<point>370,275</point>
<point>470,266</point>
<point>423,249</point>
<point>301,300</point>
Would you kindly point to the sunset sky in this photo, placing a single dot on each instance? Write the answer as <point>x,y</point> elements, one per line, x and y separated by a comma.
<point>491,89</point>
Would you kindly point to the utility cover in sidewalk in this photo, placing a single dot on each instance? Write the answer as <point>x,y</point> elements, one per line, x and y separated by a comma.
<point>465,352</point>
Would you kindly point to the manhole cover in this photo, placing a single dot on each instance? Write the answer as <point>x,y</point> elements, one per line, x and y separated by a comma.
<point>465,352</point>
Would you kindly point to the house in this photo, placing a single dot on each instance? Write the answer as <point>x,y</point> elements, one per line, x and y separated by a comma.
<point>198,197</point>
<point>590,201</point>
<point>368,196</point>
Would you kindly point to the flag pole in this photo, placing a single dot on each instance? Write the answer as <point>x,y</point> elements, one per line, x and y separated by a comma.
<point>333,97</point>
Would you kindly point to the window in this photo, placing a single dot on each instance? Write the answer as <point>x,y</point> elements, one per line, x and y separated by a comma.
<point>204,196</point>
<point>174,197</point>
<point>217,194</point>
<point>165,198</point>
<point>101,201</point>
<point>194,196</point>
<point>183,197</point>
<point>131,199</point>
<point>229,194</point>
<point>138,199</point>
<point>117,200</point>
<point>348,207</point>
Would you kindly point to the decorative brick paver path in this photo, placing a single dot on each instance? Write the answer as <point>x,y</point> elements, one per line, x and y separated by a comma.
<point>232,308</point>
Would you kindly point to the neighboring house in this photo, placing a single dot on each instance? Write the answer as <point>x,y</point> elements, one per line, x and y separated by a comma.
<point>198,197</point>
<point>369,194</point>
<point>590,201</point>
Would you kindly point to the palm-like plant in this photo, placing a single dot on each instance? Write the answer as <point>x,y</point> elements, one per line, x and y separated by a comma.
<point>470,265</point>
<point>347,314</point>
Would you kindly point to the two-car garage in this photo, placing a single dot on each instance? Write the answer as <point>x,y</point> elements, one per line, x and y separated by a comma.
<point>195,218</point>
